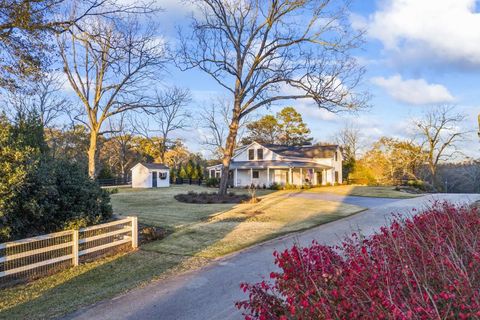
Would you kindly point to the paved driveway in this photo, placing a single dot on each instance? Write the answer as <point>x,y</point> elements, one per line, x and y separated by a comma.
<point>210,293</point>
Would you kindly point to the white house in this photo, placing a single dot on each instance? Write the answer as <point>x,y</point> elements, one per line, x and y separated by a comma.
<point>150,175</point>
<point>297,165</point>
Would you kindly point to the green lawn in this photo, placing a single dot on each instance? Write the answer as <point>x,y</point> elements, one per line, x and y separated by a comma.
<point>366,191</point>
<point>200,233</point>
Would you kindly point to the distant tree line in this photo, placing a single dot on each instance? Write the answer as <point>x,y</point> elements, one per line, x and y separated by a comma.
<point>426,160</point>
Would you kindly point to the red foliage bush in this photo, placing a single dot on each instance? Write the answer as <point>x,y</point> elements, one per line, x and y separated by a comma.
<point>424,267</point>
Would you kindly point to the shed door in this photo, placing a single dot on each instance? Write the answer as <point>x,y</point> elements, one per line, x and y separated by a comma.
<point>154,179</point>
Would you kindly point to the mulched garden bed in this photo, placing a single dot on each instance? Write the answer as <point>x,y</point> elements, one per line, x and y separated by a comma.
<point>207,198</point>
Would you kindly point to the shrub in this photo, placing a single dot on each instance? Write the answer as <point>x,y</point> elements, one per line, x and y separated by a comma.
<point>212,182</point>
<point>424,267</point>
<point>40,194</point>
<point>275,186</point>
<point>205,197</point>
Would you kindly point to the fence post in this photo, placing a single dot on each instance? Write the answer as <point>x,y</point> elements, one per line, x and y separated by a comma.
<point>75,247</point>
<point>134,232</point>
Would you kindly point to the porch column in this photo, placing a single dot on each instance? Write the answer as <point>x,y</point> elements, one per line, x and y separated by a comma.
<point>301,176</point>
<point>268,177</point>
<point>251,176</point>
<point>290,176</point>
<point>324,177</point>
<point>235,175</point>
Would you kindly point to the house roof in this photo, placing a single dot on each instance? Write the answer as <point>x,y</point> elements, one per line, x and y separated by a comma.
<point>276,164</point>
<point>153,166</point>
<point>315,151</point>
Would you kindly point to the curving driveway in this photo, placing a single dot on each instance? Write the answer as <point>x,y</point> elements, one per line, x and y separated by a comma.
<point>210,292</point>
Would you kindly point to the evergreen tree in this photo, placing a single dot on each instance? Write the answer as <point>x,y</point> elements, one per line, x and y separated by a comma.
<point>287,128</point>
<point>293,131</point>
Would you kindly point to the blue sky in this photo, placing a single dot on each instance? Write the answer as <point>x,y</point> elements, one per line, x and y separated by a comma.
<point>418,54</point>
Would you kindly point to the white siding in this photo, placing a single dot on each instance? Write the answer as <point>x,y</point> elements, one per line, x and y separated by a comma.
<point>267,154</point>
<point>142,177</point>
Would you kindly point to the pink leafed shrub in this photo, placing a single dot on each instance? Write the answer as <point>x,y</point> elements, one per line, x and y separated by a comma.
<point>424,267</point>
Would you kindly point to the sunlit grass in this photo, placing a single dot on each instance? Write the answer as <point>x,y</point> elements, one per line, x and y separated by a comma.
<point>366,191</point>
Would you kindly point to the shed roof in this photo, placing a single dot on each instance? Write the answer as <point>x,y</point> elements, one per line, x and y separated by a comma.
<point>153,166</point>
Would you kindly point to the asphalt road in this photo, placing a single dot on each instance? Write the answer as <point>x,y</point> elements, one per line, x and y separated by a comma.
<point>210,292</point>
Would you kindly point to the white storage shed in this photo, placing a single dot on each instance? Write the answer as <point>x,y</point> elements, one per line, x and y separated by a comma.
<point>150,175</point>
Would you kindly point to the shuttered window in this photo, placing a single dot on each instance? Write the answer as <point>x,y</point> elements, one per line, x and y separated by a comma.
<point>251,154</point>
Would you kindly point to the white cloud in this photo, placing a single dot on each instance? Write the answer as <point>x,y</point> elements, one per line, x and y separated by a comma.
<point>414,91</point>
<point>448,30</point>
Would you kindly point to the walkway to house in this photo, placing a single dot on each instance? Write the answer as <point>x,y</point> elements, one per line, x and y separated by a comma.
<point>210,293</point>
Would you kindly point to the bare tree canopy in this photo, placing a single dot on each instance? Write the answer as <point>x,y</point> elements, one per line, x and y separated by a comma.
<point>267,51</point>
<point>171,117</point>
<point>26,27</point>
<point>349,138</point>
<point>42,98</point>
<point>110,64</point>
<point>214,120</point>
<point>439,132</point>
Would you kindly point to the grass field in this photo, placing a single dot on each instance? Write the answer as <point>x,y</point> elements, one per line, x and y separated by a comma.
<point>201,232</point>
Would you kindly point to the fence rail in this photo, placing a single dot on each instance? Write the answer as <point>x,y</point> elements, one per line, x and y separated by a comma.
<point>41,255</point>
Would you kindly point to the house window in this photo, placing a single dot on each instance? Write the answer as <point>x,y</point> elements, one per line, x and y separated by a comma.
<point>162,175</point>
<point>255,174</point>
<point>212,173</point>
<point>259,154</point>
<point>251,154</point>
<point>336,156</point>
<point>336,176</point>
<point>217,174</point>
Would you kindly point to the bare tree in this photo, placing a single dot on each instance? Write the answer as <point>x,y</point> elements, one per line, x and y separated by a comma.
<point>349,138</point>
<point>262,52</point>
<point>26,28</point>
<point>439,132</point>
<point>215,120</point>
<point>110,65</point>
<point>168,119</point>
<point>43,97</point>
<point>120,142</point>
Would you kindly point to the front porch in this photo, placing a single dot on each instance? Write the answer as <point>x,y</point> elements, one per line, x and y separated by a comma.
<point>287,173</point>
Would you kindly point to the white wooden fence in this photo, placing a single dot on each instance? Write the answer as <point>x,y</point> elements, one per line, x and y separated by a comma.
<point>45,254</point>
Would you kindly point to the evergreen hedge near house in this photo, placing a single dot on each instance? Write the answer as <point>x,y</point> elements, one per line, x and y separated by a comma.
<point>40,194</point>
<point>424,267</point>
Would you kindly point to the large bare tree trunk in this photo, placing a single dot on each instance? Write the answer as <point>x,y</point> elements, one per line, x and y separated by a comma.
<point>228,153</point>
<point>92,154</point>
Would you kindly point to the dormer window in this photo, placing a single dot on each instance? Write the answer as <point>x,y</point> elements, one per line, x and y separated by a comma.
<point>251,154</point>
<point>259,154</point>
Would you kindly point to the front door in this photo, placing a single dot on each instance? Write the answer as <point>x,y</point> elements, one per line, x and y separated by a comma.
<point>154,179</point>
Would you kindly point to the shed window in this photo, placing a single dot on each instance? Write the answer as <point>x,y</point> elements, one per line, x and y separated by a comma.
<point>259,154</point>
<point>255,174</point>
<point>251,154</point>
<point>162,175</point>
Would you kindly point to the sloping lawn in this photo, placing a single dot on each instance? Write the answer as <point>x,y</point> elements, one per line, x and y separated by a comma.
<point>365,191</point>
<point>201,232</point>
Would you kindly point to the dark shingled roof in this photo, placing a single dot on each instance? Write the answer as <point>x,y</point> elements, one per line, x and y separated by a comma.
<point>315,151</point>
<point>276,164</point>
<point>154,165</point>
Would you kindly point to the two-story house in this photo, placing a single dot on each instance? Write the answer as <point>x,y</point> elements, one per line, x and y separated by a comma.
<point>297,165</point>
